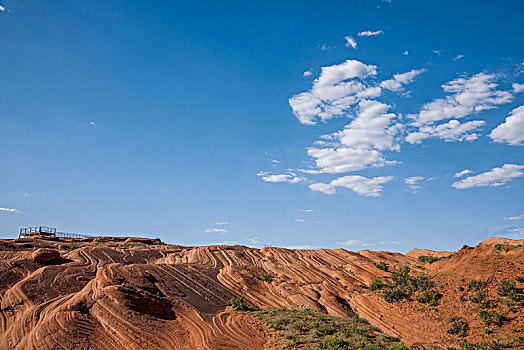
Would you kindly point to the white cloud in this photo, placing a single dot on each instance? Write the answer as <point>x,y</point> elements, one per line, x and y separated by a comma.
<point>324,188</point>
<point>291,177</point>
<point>300,220</point>
<point>517,87</point>
<point>92,123</point>
<point>437,52</point>
<point>458,57</point>
<point>518,217</point>
<point>308,73</point>
<point>2,9</point>
<point>254,241</point>
<point>222,231</point>
<point>11,210</point>
<point>367,187</point>
<point>463,173</point>
<point>405,53</point>
<point>370,33</point>
<point>344,159</point>
<point>467,96</point>
<point>512,130</point>
<point>301,246</point>
<point>449,132</point>
<point>493,178</point>
<point>350,242</point>
<point>306,210</point>
<point>400,79</point>
<point>414,183</point>
<point>351,42</point>
<point>333,92</point>
<point>221,223</point>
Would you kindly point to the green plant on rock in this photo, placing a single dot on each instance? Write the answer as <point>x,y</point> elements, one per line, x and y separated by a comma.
<point>507,288</point>
<point>334,343</point>
<point>458,327</point>
<point>266,277</point>
<point>382,265</point>
<point>430,297</point>
<point>377,284</point>
<point>240,304</point>
<point>491,318</point>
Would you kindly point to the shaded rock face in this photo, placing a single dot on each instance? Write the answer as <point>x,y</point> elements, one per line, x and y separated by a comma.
<point>45,256</point>
<point>124,294</point>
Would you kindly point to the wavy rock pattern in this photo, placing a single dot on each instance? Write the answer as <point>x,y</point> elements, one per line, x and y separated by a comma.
<point>134,295</point>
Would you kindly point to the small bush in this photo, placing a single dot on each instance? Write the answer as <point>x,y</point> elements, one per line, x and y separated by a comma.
<point>240,304</point>
<point>158,241</point>
<point>72,246</point>
<point>376,284</point>
<point>459,327</point>
<point>266,277</point>
<point>395,294</point>
<point>520,279</point>
<point>491,318</point>
<point>334,343</point>
<point>325,329</point>
<point>382,265</point>
<point>507,288</point>
<point>430,297</point>
<point>479,297</point>
<point>432,259</point>
<point>399,347</point>
<point>476,285</point>
<point>507,247</point>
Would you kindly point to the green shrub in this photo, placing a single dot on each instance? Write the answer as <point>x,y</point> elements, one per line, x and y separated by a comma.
<point>432,259</point>
<point>72,246</point>
<point>459,327</point>
<point>394,294</point>
<point>479,297</point>
<point>266,277</point>
<point>158,241</point>
<point>507,288</point>
<point>399,347</point>
<point>376,284</point>
<point>240,304</point>
<point>430,297</point>
<point>334,343</point>
<point>491,317</point>
<point>476,285</point>
<point>382,265</point>
<point>507,247</point>
<point>325,328</point>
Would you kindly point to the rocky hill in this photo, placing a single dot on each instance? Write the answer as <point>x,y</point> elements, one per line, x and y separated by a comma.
<point>131,293</point>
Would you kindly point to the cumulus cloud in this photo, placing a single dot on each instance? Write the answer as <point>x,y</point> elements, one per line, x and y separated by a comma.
<point>518,87</point>
<point>333,92</point>
<point>463,173</point>
<point>344,159</point>
<point>401,79</point>
<point>222,231</point>
<point>512,130</point>
<point>290,177</point>
<point>450,132</point>
<point>370,33</point>
<point>467,96</point>
<point>405,53</point>
<point>2,9</point>
<point>367,187</point>
<point>11,210</point>
<point>322,187</point>
<point>493,178</point>
<point>351,42</point>
<point>308,73</point>
<point>518,217</point>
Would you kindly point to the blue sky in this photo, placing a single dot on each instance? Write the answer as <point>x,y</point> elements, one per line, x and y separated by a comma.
<point>357,124</point>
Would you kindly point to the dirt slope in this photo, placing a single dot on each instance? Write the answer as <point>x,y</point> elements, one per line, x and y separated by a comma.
<point>132,294</point>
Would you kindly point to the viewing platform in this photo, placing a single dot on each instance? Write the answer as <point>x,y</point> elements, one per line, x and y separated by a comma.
<point>47,231</point>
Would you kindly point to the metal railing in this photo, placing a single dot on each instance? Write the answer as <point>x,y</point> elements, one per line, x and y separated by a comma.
<point>48,231</point>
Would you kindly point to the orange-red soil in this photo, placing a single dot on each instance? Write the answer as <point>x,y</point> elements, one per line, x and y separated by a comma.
<point>131,294</point>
